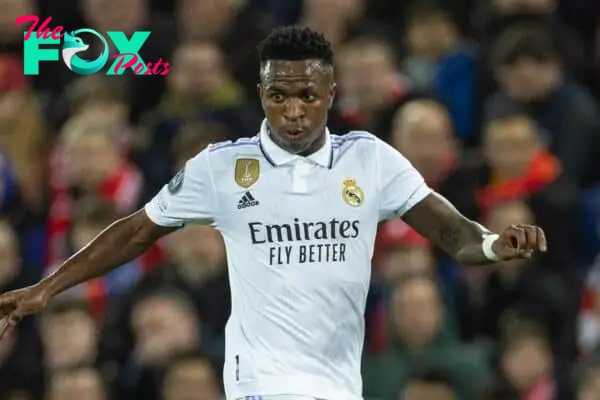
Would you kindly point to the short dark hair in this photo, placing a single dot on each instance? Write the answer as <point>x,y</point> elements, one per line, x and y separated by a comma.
<point>427,9</point>
<point>62,306</point>
<point>295,43</point>
<point>524,41</point>
<point>523,329</point>
<point>169,294</point>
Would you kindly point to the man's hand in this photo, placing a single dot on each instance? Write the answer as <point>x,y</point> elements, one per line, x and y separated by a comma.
<point>519,241</point>
<point>17,304</point>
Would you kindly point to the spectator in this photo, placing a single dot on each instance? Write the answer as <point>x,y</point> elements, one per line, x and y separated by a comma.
<point>416,125</point>
<point>369,83</point>
<point>503,14</point>
<point>20,114</point>
<point>205,20</point>
<point>533,81</point>
<point>337,20</point>
<point>94,93</point>
<point>10,33</point>
<point>420,338</point>
<point>200,87</point>
<point>527,289</point>
<point>78,383</point>
<point>88,161</point>
<point>404,253</point>
<point>526,363</point>
<point>165,324</point>
<point>400,254</point>
<point>196,267</point>
<point>438,57</point>
<point>91,217</point>
<point>69,335</point>
<point>202,82</point>
<point>519,167</point>
<point>191,378</point>
<point>20,364</point>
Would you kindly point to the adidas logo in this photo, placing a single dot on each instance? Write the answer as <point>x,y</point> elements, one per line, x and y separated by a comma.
<point>247,200</point>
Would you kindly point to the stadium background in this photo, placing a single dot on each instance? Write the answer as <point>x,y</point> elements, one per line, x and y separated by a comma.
<point>495,102</point>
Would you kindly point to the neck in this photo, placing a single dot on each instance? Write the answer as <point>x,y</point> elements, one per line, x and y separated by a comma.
<point>315,146</point>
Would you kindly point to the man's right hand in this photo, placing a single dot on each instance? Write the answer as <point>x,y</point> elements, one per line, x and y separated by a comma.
<point>17,304</point>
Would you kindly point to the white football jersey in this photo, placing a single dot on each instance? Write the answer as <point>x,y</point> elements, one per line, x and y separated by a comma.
<point>299,233</point>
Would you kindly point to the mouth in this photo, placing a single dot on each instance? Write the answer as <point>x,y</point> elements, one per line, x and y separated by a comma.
<point>293,134</point>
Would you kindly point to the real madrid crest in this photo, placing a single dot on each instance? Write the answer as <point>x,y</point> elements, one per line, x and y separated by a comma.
<point>247,171</point>
<point>352,193</point>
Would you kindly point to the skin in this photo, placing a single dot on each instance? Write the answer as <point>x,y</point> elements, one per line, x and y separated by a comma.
<point>296,97</point>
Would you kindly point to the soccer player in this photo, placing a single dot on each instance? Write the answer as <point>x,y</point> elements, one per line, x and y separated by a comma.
<point>298,208</point>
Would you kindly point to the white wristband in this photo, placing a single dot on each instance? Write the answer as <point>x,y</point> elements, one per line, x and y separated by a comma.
<point>486,246</point>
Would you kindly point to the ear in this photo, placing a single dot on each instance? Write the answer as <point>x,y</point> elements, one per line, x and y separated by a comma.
<point>332,91</point>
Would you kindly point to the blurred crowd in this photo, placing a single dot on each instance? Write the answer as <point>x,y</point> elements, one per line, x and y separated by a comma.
<point>495,102</point>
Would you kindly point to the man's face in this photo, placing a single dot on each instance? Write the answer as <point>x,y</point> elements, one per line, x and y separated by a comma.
<point>423,133</point>
<point>296,97</point>
<point>69,338</point>
<point>199,70</point>
<point>91,159</point>
<point>407,261</point>
<point>84,384</point>
<point>529,80</point>
<point>430,36</point>
<point>198,252</point>
<point>509,146</point>
<point>192,380</point>
<point>11,10</point>
<point>162,329</point>
<point>332,10</point>
<point>525,363</point>
<point>366,73</point>
<point>417,311</point>
<point>206,19</point>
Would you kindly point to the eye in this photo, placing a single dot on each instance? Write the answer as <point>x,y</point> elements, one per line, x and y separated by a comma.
<point>277,97</point>
<point>308,97</point>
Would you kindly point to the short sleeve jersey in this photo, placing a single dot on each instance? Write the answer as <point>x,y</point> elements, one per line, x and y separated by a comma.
<point>299,235</point>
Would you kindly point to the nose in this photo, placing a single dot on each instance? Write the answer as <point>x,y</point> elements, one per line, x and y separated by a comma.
<point>294,110</point>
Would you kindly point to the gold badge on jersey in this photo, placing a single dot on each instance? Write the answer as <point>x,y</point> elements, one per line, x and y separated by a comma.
<point>352,193</point>
<point>247,171</point>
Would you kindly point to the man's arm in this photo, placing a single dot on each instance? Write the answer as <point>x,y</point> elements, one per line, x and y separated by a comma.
<point>439,221</point>
<point>121,242</point>
<point>188,198</point>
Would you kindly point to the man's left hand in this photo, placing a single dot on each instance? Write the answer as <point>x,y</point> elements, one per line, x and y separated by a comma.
<point>520,241</point>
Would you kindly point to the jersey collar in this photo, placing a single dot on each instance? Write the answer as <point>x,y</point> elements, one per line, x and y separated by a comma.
<point>277,156</point>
